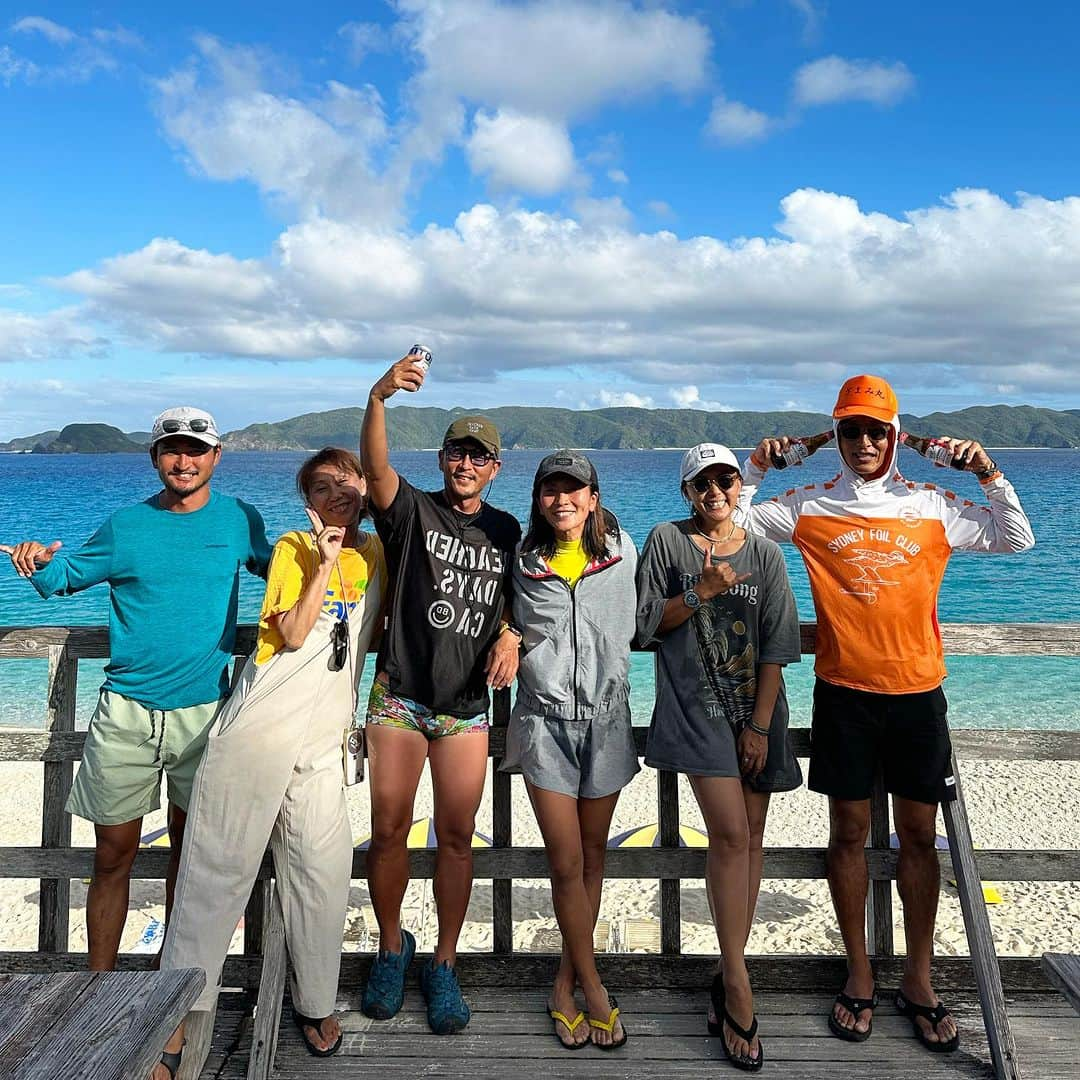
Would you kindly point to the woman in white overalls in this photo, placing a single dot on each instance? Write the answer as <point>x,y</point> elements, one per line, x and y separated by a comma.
<point>273,767</point>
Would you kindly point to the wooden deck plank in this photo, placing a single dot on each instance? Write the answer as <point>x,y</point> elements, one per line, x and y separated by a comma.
<point>510,1032</point>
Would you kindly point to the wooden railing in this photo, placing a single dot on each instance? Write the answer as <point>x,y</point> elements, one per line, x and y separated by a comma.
<point>59,745</point>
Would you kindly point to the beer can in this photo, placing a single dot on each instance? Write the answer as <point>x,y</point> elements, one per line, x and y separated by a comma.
<point>421,356</point>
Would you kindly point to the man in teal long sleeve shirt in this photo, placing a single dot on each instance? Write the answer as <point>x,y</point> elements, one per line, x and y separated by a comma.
<point>173,565</point>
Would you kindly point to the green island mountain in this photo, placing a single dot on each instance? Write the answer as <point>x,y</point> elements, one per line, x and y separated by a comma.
<point>528,427</point>
<point>89,439</point>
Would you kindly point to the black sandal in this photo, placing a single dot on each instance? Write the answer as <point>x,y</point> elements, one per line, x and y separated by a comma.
<point>854,1006</point>
<point>935,1015</point>
<point>171,1060</point>
<point>717,997</point>
<point>743,1061</point>
<point>303,1021</point>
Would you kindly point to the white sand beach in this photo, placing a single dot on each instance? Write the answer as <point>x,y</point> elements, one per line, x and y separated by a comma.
<point>1012,805</point>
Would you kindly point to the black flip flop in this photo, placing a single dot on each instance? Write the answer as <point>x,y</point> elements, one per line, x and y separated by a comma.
<point>934,1015</point>
<point>717,997</point>
<point>608,1025</point>
<point>302,1021</point>
<point>743,1061</point>
<point>171,1060</point>
<point>854,1006</point>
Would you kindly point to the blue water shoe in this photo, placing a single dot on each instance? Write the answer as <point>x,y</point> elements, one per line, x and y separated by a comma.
<point>385,990</point>
<point>446,1008</point>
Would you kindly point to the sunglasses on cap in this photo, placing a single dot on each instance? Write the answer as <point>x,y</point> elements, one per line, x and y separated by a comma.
<point>339,641</point>
<point>723,482</point>
<point>456,452</point>
<point>877,432</point>
<point>198,424</point>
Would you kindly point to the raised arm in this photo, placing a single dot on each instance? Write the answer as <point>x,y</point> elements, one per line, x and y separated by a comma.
<point>773,519</point>
<point>382,480</point>
<point>90,565</point>
<point>296,622</point>
<point>30,555</point>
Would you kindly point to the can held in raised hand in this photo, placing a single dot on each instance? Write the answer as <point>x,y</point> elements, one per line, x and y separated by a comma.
<point>421,355</point>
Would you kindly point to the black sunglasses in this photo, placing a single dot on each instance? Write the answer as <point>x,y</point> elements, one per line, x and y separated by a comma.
<point>723,482</point>
<point>878,433</point>
<point>480,458</point>
<point>171,427</point>
<point>339,640</point>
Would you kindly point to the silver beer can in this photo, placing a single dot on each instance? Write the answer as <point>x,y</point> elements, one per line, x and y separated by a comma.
<point>421,356</point>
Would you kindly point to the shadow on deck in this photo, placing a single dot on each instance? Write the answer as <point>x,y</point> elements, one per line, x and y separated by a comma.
<point>510,1035</point>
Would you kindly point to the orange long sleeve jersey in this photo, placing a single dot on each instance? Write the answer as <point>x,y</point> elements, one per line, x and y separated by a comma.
<point>876,552</point>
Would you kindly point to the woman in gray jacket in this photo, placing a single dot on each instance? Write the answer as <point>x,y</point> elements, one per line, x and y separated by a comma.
<point>570,734</point>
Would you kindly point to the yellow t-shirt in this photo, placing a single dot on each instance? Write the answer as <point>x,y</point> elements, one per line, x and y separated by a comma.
<point>294,563</point>
<point>569,560</point>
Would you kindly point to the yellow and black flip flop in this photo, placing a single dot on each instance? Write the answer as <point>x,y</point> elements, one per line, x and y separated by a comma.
<point>571,1026</point>
<point>609,1026</point>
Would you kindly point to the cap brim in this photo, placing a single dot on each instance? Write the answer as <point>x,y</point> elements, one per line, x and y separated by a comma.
<point>199,436</point>
<point>864,410</point>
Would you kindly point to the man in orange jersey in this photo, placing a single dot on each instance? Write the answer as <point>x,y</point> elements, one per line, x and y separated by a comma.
<point>875,548</point>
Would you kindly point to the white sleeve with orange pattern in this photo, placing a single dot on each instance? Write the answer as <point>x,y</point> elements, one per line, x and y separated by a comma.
<point>774,519</point>
<point>1000,527</point>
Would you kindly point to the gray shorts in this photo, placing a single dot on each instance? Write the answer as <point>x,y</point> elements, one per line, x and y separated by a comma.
<point>585,759</point>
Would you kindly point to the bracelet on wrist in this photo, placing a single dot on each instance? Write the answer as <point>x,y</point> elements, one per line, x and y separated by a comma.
<point>757,729</point>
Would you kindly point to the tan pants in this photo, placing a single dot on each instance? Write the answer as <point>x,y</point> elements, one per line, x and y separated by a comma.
<point>272,772</point>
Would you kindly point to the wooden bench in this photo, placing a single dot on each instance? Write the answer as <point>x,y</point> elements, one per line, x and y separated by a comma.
<point>109,1025</point>
<point>1063,970</point>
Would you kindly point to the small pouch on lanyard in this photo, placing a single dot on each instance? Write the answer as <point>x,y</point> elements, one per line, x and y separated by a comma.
<point>352,751</point>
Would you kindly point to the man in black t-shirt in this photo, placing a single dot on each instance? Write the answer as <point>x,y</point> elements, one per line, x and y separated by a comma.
<point>449,554</point>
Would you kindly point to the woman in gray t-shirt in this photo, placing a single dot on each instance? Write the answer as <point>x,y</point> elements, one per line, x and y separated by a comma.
<point>717,606</point>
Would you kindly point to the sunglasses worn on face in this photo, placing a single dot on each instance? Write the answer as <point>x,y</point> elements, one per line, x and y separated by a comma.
<point>479,458</point>
<point>339,640</point>
<point>723,482</point>
<point>171,427</point>
<point>877,433</point>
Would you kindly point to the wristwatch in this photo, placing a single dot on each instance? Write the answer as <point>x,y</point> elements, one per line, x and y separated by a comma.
<point>515,630</point>
<point>991,468</point>
<point>691,599</point>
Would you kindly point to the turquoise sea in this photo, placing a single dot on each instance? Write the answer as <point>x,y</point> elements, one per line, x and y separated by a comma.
<point>65,497</point>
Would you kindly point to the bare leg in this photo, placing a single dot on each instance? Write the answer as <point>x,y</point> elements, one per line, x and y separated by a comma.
<point>107,897</point>
<point>849,823</point>
<point>918,879</point>
<point>727,868</point>
<point>458,769</point>
<point>395,762</point>
<point>757,807</point>
<point>563,821</point>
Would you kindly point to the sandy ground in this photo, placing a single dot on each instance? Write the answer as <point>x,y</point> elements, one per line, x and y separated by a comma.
<point>1012,805</point>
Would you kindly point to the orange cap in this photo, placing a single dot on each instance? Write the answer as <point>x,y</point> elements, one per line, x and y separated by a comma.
<point>866,395</point>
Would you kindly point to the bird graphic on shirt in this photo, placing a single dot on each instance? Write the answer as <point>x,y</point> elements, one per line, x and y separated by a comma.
<point>868,563</point>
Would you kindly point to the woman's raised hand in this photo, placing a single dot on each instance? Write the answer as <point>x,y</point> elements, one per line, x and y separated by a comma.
<point>717,577</point>
<point>328,538</point>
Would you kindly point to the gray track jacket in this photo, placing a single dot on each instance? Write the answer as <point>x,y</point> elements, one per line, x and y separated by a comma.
<point>577,641</point>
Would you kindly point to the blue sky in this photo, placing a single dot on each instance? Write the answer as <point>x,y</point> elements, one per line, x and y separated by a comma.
<point>255,208</point>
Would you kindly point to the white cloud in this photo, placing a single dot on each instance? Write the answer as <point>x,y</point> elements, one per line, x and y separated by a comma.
<point>975,291</point>
<point>625,400</point>
<point>363,39</point>
<point>660,208</point>
<point>316,155</point>
<point>524,153</point>
<point>617,176</point>
<point>689,397</point>
<point>608,214</point>
<point>35,24</point>
<point>732,122</point>
<point>833,79</point>
<point>811,17</point>
<point>554,58</point>
<point>56,334</point>
<point>13,66</point>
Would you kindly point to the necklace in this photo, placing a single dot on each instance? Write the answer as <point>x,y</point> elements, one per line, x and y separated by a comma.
<point>713,539</point>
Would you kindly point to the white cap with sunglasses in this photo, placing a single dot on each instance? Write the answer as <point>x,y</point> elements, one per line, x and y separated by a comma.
<point>700,457</point>
<point>186,420</point>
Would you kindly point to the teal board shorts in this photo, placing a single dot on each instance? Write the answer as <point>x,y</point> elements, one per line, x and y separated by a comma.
<point>127,748</point>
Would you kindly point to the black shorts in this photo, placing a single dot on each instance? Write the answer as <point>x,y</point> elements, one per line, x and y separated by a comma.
<point>855,731</point>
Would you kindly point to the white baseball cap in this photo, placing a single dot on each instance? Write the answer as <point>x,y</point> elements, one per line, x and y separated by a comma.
<point>188,421</point>
<point>702,456</point>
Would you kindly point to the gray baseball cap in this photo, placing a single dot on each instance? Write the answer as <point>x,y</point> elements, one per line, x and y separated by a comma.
<point>570,463</point>
<point>186,420</point>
